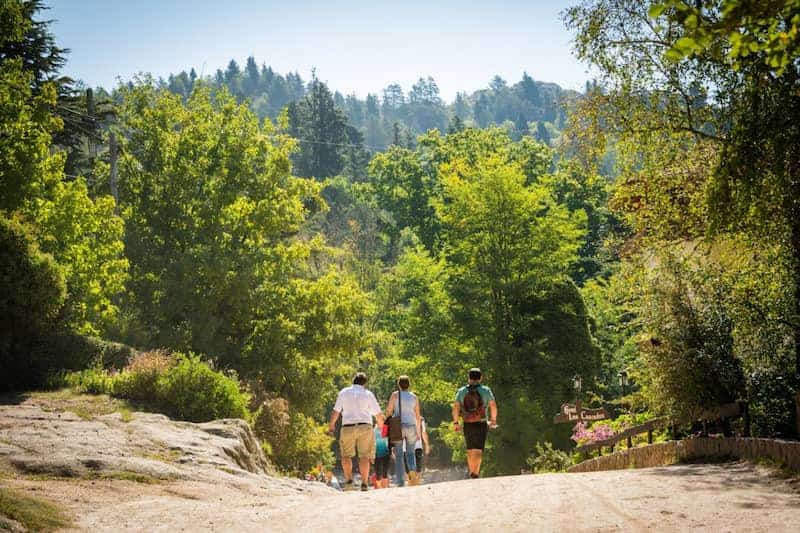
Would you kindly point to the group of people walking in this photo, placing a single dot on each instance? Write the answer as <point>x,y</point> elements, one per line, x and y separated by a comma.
<point>373,443</point>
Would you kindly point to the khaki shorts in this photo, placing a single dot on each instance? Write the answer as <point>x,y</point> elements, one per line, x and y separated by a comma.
<point>357,440</point>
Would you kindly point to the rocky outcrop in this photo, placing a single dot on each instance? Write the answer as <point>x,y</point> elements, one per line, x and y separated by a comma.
<point>37,438</point>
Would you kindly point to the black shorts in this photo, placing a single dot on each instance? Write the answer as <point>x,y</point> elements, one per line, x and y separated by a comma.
<point>475,434</point>
<point>382,466</point>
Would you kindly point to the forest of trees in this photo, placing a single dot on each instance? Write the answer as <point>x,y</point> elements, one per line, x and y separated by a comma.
<point>396,117</point>
<point>290,235</point>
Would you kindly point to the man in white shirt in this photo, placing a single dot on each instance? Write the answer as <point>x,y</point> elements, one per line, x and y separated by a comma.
<point>357,406</point>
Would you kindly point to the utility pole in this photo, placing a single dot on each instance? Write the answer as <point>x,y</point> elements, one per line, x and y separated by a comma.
<point>112,149</point>
<point>90,110</point>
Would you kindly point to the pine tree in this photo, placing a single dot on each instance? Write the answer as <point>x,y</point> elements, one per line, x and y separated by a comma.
<point>322,126</point>
<point>542,135</point>
<point>252,78</point>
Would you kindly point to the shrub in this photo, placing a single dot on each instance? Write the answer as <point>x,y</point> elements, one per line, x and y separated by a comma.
<point>304,445</point>
<point>191,390</point>
<point>271,421</point>
<point>32,287</point>
<point>595,433</point>
<point>89,381</point>
<point>183,387</point>
<point>32,291</point>
<point>139,380</point>
<point>50,355</point>
<point>548,459</point>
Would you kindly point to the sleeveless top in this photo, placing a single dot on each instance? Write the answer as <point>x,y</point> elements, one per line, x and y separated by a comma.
<point>409,402</point>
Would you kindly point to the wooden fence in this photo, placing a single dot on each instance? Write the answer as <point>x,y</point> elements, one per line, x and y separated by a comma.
<point>725,412</point>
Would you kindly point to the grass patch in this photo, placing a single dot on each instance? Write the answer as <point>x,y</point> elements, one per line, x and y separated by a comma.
<point>35,514</point>
<point>168,456</point>
<point>86,406</point>
<point>779,468</point>
<point>127,475</point>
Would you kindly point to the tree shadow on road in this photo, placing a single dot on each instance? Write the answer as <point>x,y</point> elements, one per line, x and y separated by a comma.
<point>736,479</point>
<point>13,398</point>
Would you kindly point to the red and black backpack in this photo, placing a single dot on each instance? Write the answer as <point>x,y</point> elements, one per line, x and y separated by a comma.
<point>473,408</point>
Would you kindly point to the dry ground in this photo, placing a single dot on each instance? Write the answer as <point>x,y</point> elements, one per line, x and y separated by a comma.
<point>205,489</point>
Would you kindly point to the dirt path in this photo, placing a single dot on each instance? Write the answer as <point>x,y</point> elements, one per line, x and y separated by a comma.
<point>146,473</point>
<point>727,497</point>
<point>731,497</point>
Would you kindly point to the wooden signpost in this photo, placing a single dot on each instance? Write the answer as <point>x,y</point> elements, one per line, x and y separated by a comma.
<point>574,413</point>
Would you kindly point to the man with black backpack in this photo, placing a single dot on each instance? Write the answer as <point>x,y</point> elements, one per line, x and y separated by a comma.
<point>470,404</point>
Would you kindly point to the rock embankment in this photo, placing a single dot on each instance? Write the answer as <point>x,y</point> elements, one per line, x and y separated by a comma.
<point>37,437</point>
<point>114,469</point>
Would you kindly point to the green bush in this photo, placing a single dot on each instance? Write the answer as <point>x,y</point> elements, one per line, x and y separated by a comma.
<point>32,291</point>
<point>192,390</point>
<point>89,381</point>
<point>39,360</point>
<point>139,381</point>
<point>183,387</point>
<point>303,446</point>
<point>548,459</point>
<point>32,287</point>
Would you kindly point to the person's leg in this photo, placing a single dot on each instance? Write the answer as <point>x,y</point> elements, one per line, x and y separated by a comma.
<point>347,445</point>
<point>475,435</point>
<point>363,467</point>
<point>365,446</point>
<point>385,479</point>
<point>399,464</point>
<point>418,454</point>
<point>474,458</point>
<point>347,466</point>
<point>410,437</point>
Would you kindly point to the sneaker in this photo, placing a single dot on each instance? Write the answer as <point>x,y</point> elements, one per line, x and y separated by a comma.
<point>348,485</point>
<point>413,478</point>
<point>473,475</point>
<point>364,487</point>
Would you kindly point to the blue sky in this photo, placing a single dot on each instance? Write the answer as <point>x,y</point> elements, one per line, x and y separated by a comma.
<point>355,46</point>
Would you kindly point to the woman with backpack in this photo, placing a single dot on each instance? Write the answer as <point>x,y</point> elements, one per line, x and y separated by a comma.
<point>470,404</point>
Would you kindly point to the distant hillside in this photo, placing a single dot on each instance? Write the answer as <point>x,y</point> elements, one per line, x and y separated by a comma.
<point>397,116</point>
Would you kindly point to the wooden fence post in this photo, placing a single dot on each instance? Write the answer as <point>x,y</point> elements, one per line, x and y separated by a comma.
<point>797,404</point>
<point>746,419</point>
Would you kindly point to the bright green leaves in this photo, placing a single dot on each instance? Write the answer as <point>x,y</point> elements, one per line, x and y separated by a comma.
<point>222,262</point>
<point>766,31</point>
<point>85,236</point>
<point>207,195</point>
<point>81,233</point>
<point>27,168</point>
<point>504,231</point>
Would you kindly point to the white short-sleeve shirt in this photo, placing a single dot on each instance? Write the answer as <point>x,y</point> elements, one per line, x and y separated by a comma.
<point>357,405</point>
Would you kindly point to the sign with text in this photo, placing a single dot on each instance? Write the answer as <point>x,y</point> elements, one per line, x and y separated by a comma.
<point>574,413</point>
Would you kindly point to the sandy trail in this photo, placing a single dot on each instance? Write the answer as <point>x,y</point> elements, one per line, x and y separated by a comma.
<point>207,477</point>
<point>725,497</point>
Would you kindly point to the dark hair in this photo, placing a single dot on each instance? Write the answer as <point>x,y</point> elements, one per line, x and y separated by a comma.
<point>474,374</point>
<point>403,382</point>
<point>360,379</point>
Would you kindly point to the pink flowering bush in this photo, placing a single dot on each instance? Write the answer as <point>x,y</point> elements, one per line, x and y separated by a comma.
<point>582,434</point>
